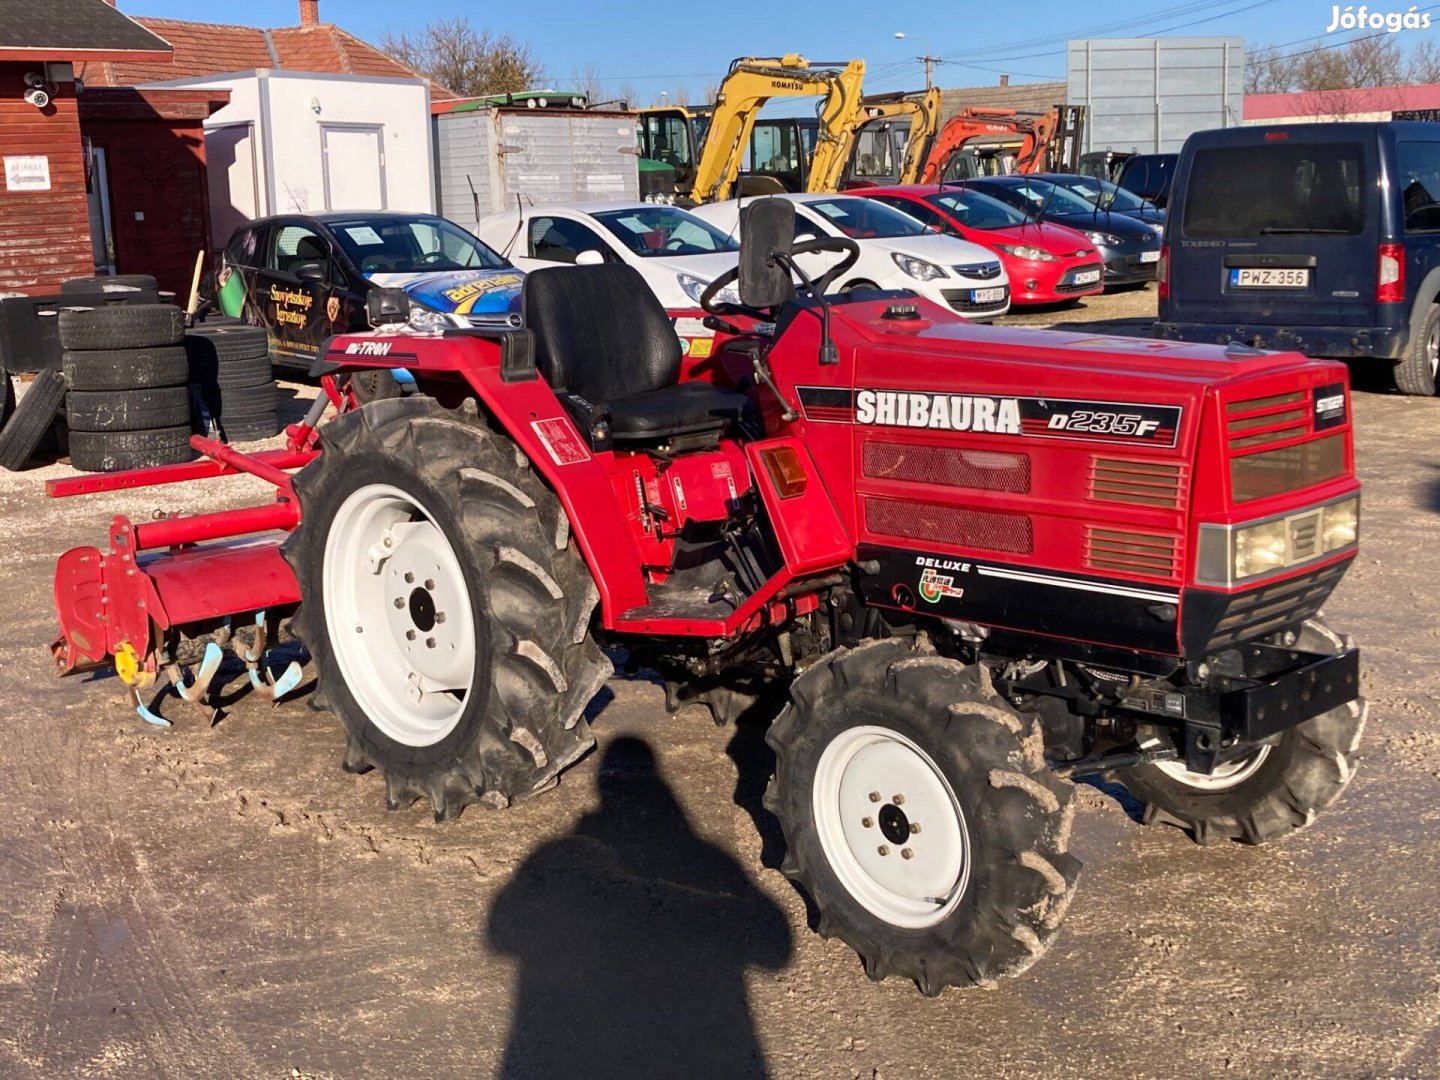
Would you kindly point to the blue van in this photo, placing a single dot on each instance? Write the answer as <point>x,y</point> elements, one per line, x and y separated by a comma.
<point>1321,238</point>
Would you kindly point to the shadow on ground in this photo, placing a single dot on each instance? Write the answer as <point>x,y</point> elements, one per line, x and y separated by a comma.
<point>632,936</point>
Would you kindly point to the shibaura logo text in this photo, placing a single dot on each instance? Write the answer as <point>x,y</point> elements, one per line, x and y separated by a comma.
<point>1363,18</point>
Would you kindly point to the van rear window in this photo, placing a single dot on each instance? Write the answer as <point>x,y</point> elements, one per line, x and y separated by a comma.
<point>1275,189</point>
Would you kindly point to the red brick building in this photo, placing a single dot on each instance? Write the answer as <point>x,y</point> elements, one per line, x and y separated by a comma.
<point>44,208</point>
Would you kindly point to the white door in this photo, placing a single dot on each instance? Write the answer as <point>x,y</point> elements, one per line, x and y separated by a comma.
<point>354,167</point>
<point>234,179</point>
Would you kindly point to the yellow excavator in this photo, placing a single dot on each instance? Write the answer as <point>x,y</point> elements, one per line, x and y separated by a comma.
<point>706,146</point>
<point>889,141</point>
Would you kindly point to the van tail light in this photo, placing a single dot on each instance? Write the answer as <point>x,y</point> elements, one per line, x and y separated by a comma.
<point>1390,281</point>
<point>1162,272</point>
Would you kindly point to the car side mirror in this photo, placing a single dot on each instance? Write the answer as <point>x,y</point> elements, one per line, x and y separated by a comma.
<point>766,227</point>
<point>589,258</point>
<point>312,272</point>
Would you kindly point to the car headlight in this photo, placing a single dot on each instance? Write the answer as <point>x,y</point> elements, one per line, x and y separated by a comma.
<point>428,321</point>
<point>1104,239</point>
<point>1027,252</point>
<point>695,287</point>
<point>918,269</point>
<point>1232,555</point>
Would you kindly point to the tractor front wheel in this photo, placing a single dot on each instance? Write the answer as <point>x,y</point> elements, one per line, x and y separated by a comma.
<point>920,816</point>
<point>445,605</point>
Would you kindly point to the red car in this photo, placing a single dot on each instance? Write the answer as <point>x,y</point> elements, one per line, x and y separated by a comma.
<point>1046,263</point>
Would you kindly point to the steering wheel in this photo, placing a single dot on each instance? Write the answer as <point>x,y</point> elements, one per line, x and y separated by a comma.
<point>431,259</point>
<point>843,244</point>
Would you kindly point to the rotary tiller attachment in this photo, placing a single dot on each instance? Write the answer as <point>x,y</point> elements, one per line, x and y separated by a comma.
<point>259,667</point>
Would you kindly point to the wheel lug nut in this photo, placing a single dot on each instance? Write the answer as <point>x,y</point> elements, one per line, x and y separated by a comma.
<point>429,642</point>
<point>868,823</point>
<point>884,849</point>
<point>409,578</point>
<point>439,616</point>
<point>430,584</point>
<point>906,853</point>
<point>898,800</point>
<point>914,827</point>
<point>874,796</point>
<point>409,635</point>
<point>399,602</point>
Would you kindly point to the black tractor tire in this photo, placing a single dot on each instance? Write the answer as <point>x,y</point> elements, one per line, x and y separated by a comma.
<point>233,402</point>
<point>1415,374</point>
<point>98,283</point>
<point>125,369</point>
<point>31,418</point>
<point>537,664</point>
<point>251,428</point>
<point>8,405</point>
<point>1301,774</point>
<point>1016,814</point>
<point>112,451</point>
<point>232,374</point>
<point>227,341</point>
<point>122,326</point>
<point>127,410</point>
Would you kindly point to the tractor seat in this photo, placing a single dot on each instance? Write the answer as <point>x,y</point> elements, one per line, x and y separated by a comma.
<point>606,346</point>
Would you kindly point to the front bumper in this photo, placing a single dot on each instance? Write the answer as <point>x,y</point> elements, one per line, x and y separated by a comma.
<point>1386,342</point>
<point>1126,268</point>
<point>1052,286</point>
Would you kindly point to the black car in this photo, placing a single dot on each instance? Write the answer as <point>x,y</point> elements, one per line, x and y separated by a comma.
<point>304,277</point>
<point>1149,175</point>
<point>1108,196</point>
<point>1130,248</point>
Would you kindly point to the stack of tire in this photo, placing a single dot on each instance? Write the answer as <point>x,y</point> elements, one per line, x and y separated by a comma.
<point>231,379</point>
<point>128,406</point>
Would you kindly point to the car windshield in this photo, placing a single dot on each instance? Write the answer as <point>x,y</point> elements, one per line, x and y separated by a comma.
<point>1036,194</point>
<point>976,210</point>
<point>664,231</point>
<point>865,219</point>
<point>1104,193</point>
<point>411,245</point>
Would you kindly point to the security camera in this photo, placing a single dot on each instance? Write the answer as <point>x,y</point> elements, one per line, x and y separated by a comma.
<point>38,97</point>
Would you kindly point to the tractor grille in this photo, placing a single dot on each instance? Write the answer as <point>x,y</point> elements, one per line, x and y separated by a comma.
<point>983,470</point>
<point>1067,283</point>
<point>1262,611</point>
<point>959,300</point>
<point>1151,554</point>
<point>954,525</point>
<point>1253,423</point>
<point>1141,483</point>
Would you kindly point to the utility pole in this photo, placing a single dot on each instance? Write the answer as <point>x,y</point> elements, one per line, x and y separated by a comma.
<point>928,60</point>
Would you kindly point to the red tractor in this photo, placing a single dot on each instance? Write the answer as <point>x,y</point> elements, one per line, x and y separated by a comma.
<point>983,561</point>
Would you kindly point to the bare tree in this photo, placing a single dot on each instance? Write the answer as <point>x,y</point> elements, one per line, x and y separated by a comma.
<point>1268,70</point>
<point>630,96</point>
<point>1425,63</point>
<point>464,59</point>
<point>1363,62</point>
<point>587,81</point>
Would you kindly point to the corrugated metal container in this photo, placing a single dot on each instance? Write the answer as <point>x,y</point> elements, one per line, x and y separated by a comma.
<point>1150,94</point>
<point>485,158</point>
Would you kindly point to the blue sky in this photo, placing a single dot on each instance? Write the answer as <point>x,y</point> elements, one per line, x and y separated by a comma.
<point>652,47</point>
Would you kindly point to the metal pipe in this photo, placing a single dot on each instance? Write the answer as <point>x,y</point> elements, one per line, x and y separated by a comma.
<point>213,448</point>
<point>170,474</point>
<point>192,530</point>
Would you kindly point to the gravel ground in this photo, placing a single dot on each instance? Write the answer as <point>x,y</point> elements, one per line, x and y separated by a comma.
<point>225,902</point>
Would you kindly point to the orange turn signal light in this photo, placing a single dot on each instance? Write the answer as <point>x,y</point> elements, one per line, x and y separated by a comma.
<point>785,469</point>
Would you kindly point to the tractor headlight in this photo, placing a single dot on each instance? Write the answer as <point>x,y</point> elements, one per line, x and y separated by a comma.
<point>918,269</point>
<point>695,287</point>
<point>427,321</point>
<point>1027,252</point>
<point>1104,239</point>
<point>1230,555</point>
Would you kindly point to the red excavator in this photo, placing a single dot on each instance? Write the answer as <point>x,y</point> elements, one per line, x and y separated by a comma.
<point>1035,133</point>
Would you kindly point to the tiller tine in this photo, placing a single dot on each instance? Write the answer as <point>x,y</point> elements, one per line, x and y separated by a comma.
<point>193,691</point>
<point>257,663</point>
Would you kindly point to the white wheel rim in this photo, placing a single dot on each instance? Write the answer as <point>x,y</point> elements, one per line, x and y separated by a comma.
<point>873,786</point>
<point>1229,775</point>
<point>411,664</point>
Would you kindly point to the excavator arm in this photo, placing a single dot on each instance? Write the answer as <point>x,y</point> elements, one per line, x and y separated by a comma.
<point>1035,132</point>
<point>921,114</point>
<point>748,86</point>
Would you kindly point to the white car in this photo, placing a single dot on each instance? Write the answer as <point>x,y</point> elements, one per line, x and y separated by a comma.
<point>676,253</point>
<point>896,252</point>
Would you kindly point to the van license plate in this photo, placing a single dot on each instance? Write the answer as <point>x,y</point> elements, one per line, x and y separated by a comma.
<point>1268,277</point>
<point>987,296</point>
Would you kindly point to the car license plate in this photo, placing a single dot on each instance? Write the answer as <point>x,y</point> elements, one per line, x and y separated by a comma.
<point>1149,256</point>
<point>1268,277</point>
<point>1085,277</point>
<point>987,296</point>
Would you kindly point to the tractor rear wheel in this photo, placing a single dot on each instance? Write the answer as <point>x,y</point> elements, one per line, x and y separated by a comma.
<point>920,816</point>
<point>1273,791</point>
<point>445,605</point>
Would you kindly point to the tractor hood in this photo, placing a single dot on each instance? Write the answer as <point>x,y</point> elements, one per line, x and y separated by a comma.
<point>460,292</point>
